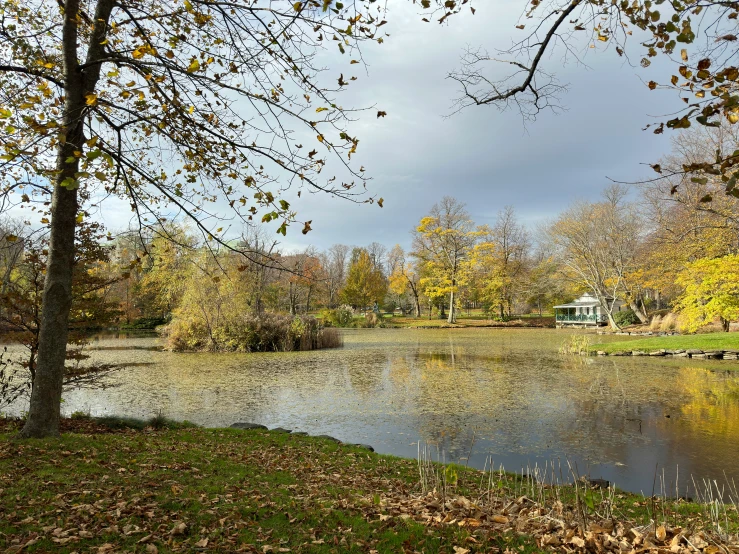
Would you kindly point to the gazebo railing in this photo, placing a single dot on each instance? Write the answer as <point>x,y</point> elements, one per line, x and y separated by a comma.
<point>579,318</point>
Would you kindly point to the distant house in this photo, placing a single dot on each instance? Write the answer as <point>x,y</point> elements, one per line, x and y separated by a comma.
<point>585,310</point>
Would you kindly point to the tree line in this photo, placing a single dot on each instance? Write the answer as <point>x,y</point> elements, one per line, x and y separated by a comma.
<point>649,246</point>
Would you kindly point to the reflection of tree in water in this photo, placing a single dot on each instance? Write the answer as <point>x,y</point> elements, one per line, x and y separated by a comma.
<point>608,416</point>
<point>711,407</point>
<point>453,396</point>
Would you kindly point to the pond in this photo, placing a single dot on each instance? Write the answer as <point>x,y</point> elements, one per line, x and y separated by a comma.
<point>475,393</point>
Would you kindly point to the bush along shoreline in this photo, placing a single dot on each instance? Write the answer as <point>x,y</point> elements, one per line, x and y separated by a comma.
<point>248,333</point>
<point>178,488</point>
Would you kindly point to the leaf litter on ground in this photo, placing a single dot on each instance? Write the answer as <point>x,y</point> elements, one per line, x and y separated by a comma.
<point>194,490</point>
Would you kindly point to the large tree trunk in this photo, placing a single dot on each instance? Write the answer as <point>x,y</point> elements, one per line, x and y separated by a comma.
<point>46,396</point>
<point>638,311</point>
<point>44,410</point>
<point>725,324</point>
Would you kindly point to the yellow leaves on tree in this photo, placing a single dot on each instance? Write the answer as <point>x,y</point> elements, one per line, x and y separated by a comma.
<point>711,291</point>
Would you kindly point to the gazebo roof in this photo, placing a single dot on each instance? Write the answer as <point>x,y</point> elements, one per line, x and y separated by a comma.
<point>592,304</point>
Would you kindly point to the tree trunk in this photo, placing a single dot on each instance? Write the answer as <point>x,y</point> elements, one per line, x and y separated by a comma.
<point>44,410</point>
<point>726,324</point>
<point>634,305</point>
<point>46,396</point>
<point>452,312</point>
<point>612,322</point>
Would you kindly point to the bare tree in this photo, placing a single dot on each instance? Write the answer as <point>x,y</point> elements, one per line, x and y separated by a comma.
<point>335,263</point>
<point>378,254</point>
<point>524,76</point>
<point>598,246</point>
<point>512,244</point>
<point>403,277</point>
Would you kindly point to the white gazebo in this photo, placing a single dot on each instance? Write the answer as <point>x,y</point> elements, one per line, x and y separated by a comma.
<point>586,310</point>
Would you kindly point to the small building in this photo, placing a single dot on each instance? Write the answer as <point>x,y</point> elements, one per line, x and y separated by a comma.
<point>585,310</point>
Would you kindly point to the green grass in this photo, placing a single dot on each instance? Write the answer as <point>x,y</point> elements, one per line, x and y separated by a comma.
<point>187,489</point>
<point>237,489</point>
<point>705,342</point>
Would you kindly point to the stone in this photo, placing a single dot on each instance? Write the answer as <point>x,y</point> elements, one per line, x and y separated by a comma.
<point>715,354</point>
<point>599,483</point>
<point>638,353</point>
<point>300,433</point>
<point>329,437</point>
<point>245,425</point>
<point>602,353</point>
<point>281,430</point>
<point>681,355</point>
<point>658,353</point>
<point>365,446</point>
<point>698,356</point>
<point>694,351</point>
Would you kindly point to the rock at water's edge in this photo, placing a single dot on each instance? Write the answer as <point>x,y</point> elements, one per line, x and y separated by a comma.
<point>329,437</point>
<point>246,425</point>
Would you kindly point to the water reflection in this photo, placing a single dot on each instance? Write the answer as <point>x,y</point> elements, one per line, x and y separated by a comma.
<point>474,393</point>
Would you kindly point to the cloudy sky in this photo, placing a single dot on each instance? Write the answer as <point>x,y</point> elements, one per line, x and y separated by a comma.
<point>485,158</point>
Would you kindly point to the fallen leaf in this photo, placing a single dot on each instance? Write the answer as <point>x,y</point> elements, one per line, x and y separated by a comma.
<point>178,529</point>
<point>661,533</point>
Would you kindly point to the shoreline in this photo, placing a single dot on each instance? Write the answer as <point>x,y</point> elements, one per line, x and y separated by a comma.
<point>182,488</point>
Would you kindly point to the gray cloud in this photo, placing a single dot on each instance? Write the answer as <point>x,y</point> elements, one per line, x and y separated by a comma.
<point>485,158</point>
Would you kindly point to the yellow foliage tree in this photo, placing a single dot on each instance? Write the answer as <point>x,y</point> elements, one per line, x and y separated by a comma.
<point>711,290</point>
<point>441,243</point>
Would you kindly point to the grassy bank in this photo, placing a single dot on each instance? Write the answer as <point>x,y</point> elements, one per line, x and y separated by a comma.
<point>190,489</point>
<point>469,321</point>
<point>705,342</point>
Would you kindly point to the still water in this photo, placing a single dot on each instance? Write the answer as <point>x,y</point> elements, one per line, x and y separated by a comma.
<point>475,393</point>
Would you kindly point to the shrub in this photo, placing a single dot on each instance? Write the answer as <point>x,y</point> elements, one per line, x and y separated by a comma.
<point>371,320</point>
<point>340,317</point>
<point>625,317</point>
<point>248,333</point>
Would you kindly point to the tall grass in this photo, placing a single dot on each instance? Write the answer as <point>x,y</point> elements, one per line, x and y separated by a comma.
<point>669,322</point>
<point>656,323</point>
<point>559,498</point>
<point>576,344</point>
